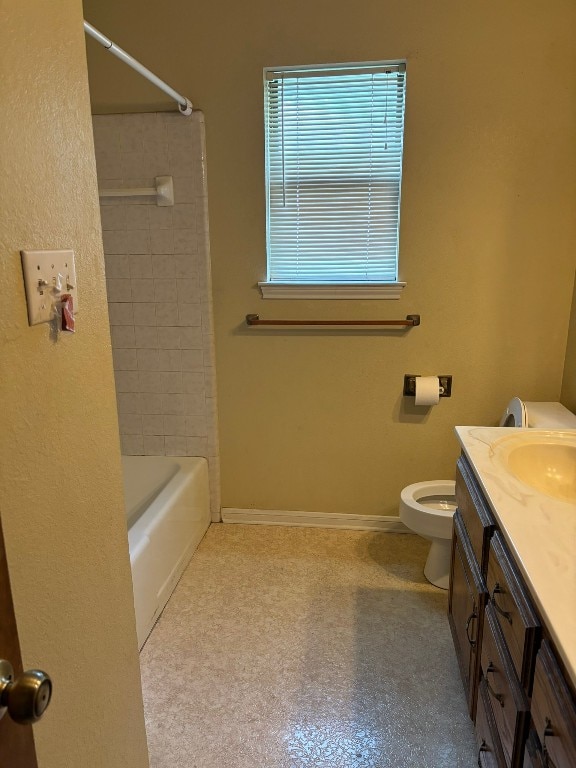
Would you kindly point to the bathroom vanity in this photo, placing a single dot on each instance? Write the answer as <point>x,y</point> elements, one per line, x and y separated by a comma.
<point>512,597</point>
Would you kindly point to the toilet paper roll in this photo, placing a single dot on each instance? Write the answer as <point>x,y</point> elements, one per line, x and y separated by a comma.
<point>427,390</point>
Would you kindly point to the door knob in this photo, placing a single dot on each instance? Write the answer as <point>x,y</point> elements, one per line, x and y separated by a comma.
<point>25,697</point>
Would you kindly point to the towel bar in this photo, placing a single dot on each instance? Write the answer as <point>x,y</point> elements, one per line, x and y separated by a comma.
<point>410,322</point>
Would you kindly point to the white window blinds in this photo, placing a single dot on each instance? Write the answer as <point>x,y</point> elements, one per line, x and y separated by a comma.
<point>333,167</point>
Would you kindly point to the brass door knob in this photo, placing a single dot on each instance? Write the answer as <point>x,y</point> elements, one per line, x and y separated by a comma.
<point>26,697</point>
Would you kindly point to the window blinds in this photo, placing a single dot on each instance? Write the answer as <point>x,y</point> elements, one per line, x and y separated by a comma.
<point>333,172</point>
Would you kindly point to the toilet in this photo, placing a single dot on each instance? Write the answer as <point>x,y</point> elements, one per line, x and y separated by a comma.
<point>427,508</point>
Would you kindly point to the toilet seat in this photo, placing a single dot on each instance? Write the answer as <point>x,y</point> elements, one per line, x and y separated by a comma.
<point>423,519</point>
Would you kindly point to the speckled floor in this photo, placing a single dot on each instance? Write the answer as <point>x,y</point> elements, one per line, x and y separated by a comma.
<point>305,648</point>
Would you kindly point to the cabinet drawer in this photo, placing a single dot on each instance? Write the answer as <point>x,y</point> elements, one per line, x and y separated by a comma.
<point>490,752</point>
<point>553,711</point>
<point>476,515</point>
<point>509,703</point>
<point>513,611</point>
<point>466,602</point>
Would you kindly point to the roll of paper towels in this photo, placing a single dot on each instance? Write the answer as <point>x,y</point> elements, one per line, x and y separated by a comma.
<point>427,390</point>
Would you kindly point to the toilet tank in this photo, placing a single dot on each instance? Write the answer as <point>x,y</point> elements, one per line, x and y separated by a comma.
<point>537,415</point>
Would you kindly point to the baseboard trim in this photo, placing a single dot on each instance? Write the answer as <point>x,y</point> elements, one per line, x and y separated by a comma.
<point>313,520</point>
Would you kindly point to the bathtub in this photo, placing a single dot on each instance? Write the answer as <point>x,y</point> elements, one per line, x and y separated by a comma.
<point>167,513</point>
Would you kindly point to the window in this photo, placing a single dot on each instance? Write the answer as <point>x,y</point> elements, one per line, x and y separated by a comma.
<point>333,172</point>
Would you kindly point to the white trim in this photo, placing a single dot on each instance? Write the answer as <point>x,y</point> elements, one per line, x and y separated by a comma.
<point>313,519</point>
<point>331,290</point>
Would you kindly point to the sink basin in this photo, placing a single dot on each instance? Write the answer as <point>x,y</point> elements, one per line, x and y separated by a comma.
<point>546,461</point>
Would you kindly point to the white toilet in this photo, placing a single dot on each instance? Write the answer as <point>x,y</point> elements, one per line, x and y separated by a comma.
<point>427,508</point>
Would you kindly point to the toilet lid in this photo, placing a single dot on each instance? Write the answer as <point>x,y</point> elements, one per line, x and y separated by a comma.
<point>515,414</point>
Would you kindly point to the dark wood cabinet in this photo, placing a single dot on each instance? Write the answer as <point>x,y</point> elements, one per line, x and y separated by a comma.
<point>523,705</point>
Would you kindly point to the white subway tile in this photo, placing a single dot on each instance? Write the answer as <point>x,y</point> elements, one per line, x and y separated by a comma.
<point>115,242</point>
<point>185,266</point>
<point>150,381</point>
<point>120,314</point>
<point>122,336</point>
<point>196,426</point>
<point>164,265</point>
<point>165,290</point>
<point>161,218</point>
<point>191,338</point>
<point>188,292</point>
<point>169,360</point>
<point>124,359</point>
<point>185,190</point>
<point>113,217</point>
<point>189,314</point>
<point>196,446</point>
<point>117,266</point>
<point>142,290</point>
<point>185,241</point>
<point>170,382</point>
<point>137,217</point>
<point>184,216</point>
<point>174,425</point>
<point>194,404</point>
<point>153,445</point>
<point>172,404</point>
<point>132,445</point>
<point>145,336</point>
<point>161,241</point>
<point>147,360</point>
<point>130,423</point>
<point>140,265</point>
<point>145,314</point>
<point>126,381</point>
<point>118,290</point>
<point>108,163</point>
<point>127,402</point>
<point>175,446</point>
<point>193,360</point>
<point>150,403</point>
<point>193,383</point>
<point>153,425</point>
<point>138,241</point>
<point>169,338</point>
<point>167,314</point>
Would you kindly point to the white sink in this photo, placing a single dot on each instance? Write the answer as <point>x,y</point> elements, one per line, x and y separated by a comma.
<point>543,460</point>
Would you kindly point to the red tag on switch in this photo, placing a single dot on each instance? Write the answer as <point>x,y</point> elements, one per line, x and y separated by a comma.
<point>67,313</point>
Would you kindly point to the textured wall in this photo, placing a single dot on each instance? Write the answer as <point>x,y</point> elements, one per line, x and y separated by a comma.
<point>159,287</point>
<point>60,487</point>
<point>316,420</point>
<point>569,379</point>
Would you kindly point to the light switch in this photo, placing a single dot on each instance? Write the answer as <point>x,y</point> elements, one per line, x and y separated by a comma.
<point>48,275</point>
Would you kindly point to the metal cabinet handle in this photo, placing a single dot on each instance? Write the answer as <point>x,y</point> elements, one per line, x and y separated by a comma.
<point>470,618</point>
<point>26,697</point>
<point>499,591</point>
<point>548,731</point>
<point>498,696</point>
<point>483,748</point>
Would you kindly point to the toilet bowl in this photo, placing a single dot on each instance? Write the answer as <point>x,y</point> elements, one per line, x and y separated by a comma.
<point>427,509</point>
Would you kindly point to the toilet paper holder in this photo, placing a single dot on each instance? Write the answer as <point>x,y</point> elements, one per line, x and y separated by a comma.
<point>410,385</point>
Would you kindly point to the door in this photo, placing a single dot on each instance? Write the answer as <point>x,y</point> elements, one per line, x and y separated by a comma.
<point>16,741</point>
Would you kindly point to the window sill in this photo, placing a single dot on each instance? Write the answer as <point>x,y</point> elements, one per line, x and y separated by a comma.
<point>331,290</point>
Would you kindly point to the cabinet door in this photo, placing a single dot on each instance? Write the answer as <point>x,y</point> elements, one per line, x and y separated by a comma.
<point>466,601</point>
<point>476,515</point>
<point>553,712</point>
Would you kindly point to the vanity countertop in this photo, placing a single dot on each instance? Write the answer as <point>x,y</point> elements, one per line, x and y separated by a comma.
<point>540,532</point>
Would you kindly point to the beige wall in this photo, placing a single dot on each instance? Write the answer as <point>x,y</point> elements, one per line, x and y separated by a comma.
<point>60,487</point>
<point>316,421</point>
<point>569,380</point>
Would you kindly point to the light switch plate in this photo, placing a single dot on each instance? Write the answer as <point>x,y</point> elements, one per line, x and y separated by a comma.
<point>47,275</point>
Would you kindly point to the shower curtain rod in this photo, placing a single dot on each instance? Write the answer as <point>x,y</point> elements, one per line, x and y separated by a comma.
<point>184,104</point>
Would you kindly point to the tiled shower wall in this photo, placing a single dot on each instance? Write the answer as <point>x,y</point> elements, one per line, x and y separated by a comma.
<point>159,291</point>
